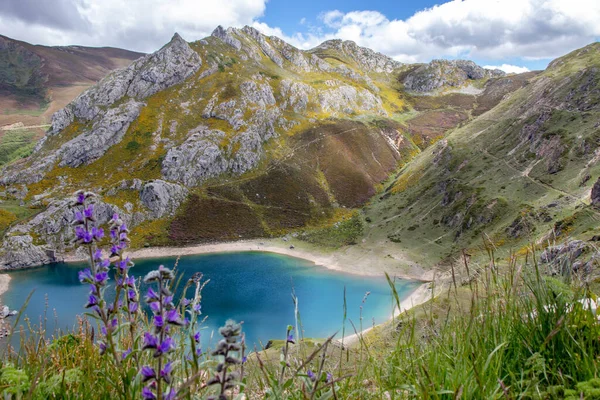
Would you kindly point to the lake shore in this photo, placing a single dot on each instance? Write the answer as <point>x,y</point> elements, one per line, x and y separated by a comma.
<point>351,259</point>
<point>4,283</point>
<point>419,296</point>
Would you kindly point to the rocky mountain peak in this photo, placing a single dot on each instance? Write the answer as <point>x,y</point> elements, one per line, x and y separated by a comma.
<point>439,74</point>
<point>366,58</point>
<point>177,38</point>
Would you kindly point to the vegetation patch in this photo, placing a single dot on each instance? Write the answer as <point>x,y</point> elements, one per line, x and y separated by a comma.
<point>208,219</point>
<point>15,144</point>
<point>6,219</point>
<point>342,233</point>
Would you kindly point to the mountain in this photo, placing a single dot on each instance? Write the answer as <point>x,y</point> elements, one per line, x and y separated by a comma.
<point>241,135</point>
<point>518,174</point>
<point>36,81</point>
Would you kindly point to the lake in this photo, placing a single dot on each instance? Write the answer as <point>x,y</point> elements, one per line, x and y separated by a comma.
<point>253,287</point>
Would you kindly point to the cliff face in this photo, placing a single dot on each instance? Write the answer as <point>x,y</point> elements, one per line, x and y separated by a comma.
<point>237,135</point>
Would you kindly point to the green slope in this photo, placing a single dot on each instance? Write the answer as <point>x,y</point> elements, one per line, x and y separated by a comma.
<point>519,173</point>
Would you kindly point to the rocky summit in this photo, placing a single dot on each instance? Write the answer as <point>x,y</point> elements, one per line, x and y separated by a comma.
<point>241,135</point>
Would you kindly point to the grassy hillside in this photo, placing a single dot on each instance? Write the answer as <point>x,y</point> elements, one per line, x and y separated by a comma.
<point>521,172</point>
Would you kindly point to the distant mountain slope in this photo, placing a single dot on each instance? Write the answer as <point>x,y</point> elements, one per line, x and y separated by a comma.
<point>519,173</point>
<point>36,81</point>
<point>238,135</point>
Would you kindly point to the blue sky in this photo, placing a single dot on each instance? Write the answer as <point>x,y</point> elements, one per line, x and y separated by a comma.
<point>513,34</point>
<point>281,13</point>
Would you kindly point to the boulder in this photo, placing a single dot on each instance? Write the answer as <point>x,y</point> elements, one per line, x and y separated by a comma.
<point>162,198</point>
<point>595,194</point>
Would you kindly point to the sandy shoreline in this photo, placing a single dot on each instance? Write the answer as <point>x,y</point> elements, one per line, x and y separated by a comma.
<point>349,260</point>
<point>4,281</point>
<point>419,296</point>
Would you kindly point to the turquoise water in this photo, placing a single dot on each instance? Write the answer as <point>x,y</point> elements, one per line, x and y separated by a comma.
<point>253,287</point>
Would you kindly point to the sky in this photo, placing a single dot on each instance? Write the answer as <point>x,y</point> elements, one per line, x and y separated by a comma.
<point>514,35</point>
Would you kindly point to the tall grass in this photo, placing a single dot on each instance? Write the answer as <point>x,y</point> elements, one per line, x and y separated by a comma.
<point>509,332</point>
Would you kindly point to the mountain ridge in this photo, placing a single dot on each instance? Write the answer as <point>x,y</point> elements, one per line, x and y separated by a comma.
<point>211,143</point>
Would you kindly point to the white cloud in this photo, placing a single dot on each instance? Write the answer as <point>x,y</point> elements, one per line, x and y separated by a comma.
<point>508,68</point>
<point>331,18</point>
<point>143,25</point>
<point>490,29</point>
<point>480,29</point>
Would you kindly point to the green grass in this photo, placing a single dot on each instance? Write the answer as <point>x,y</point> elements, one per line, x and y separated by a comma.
<point>12,212</point>
<point>16,144</point>
<point>342,233</point>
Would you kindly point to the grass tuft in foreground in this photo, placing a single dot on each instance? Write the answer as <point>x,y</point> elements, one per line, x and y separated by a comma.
<point>503,332</point>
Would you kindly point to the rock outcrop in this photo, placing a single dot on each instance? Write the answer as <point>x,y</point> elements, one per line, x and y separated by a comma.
<point>367,59</point>
<point>446,73</point>
<point>169,66</point>
<point>107,130</point>
<point>20,252</point>
<point>197,159</point>
<point>595,194</point>
<point>105,108</point>
<point>162,198</point>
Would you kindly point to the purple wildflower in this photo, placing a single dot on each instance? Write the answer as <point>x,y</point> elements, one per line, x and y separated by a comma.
<point>125,354</point>
<point>150,341</point>
<point>329,377</point>
<point>130,281</point>
<point>168,301</point>
<point>166,346</point>
<point>133,307</point>
<point>88,213</point>
<point>197,337</point>
<point>97,233</point>
<point>102,347</point>
<point>98,255</point>
<point>104,264</point>
<point>101,278</point>
<point>114,250</point>
<point>92,301</point>
<point>170,395</point>
<point>124,265</point>
<point>78,218</point>
<point>311,375</point>
<point>290,338</point>
<point>131,294</point>
<point>83,235</point>
<point>165,373</point>
<point>147,394</point>
<point>148,373</point>
<point>173,318</point>
<point>85,276</point>
<point>80,197</point>
<point>151,296</point>
<point>158,321</point>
